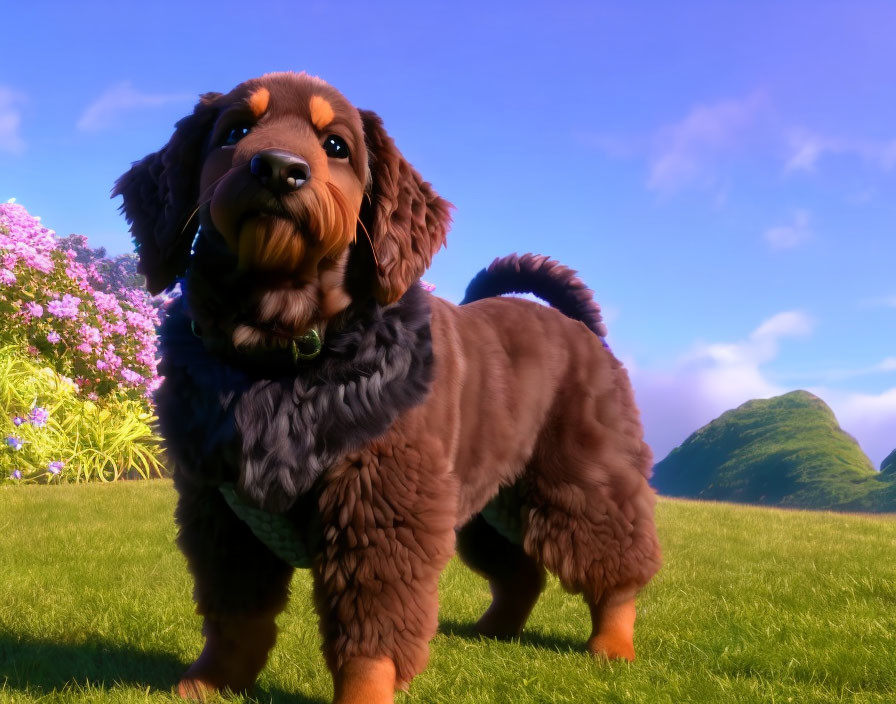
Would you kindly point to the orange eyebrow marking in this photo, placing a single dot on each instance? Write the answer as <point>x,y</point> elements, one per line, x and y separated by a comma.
<point>258,101</point>
<point>321,112</point>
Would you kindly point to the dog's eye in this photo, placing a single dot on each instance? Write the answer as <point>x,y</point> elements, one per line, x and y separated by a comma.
<point>235,135</point>
<point>335,147</point>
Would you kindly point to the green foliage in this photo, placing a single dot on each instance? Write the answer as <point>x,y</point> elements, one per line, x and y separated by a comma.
<point>786,451</point>
<point>753,605</point>
<point>94,441</point>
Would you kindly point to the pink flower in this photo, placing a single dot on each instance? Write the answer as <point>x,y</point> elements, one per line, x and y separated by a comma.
<point>7,278</point>
<point>107,303</point>
<point>112,359</point>
<point>131,376</point>
<point>35,309</point>
<point>65,308</point>
<point>53,337</point>
<point>90,335</point>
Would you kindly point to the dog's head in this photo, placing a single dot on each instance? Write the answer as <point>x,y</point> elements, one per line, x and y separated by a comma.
<point>289,178</point>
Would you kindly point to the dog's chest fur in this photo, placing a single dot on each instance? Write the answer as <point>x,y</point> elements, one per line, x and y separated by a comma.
<point>273,435</point>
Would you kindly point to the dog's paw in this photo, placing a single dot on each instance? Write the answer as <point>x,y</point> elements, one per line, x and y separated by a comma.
<point>195,689</point>
<point>500,626</point>
<point>611,647</point>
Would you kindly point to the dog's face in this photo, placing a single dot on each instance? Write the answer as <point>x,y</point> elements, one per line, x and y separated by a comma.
<point>291,178</point>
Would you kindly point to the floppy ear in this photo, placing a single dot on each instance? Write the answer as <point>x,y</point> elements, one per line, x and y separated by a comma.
<point>406,219</point>
<point>160,193</point>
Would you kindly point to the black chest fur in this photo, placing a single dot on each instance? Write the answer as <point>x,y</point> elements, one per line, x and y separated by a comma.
<point>273,434</point>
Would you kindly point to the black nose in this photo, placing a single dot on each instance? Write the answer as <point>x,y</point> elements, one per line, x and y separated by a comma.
<point>280,171</point>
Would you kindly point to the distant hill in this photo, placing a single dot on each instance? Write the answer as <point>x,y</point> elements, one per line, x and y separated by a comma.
<point>888,466</point>
<point>784,451</point>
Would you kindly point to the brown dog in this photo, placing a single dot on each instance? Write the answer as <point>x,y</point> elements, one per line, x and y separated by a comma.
<point>310,381</point>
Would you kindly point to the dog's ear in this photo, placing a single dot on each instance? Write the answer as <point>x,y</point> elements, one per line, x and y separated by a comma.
<point>160,193</point>
<point>405,218</point>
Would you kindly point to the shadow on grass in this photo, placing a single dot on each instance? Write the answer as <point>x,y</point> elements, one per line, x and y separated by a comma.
<point>43,666</point>
<point>531,637</point>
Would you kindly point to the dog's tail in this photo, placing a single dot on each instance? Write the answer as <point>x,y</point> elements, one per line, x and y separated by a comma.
<point>547,279</point>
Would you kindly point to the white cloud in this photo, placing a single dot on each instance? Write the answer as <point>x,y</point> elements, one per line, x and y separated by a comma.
<point>710,380</point>
<point>717,377</point>
<point>11,121</point>
<point>687,152</point>
<point>791,235</point>
<point>108,109</point>
<point>808,148</point>
<point>885,366</point>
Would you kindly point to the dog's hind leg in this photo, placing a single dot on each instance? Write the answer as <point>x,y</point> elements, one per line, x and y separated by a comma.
<point>613,625</point>
<point>240,587</point>
<point>596,548</point>
<point>515,578</point>
<point>590,519</point>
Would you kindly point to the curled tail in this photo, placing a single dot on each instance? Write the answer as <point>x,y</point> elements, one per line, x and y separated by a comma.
<point>554,283</point>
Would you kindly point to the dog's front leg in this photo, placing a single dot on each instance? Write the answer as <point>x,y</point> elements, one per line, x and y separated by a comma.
<point>240,587</point>
<point>388,516</point>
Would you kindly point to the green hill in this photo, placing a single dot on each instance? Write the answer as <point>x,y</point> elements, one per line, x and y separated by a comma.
<point>784,451</point>
<point>888,466</point>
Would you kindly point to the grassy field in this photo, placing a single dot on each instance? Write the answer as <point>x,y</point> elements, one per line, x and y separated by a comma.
<point>752,605</point>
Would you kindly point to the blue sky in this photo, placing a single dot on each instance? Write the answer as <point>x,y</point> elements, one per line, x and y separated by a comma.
<point>721,174</point>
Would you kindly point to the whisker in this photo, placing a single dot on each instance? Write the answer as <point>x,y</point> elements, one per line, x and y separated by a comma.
<point>341,197</point>
<point>379,267</point>
<point>204,201</point>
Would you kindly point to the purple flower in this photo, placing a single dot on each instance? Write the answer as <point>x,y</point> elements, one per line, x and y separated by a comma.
<point>14,442</point>
<point>53,337</point>
<point>100,364</point>
<point>111,358</point>
<point>90,334</point>
<point>18,420</point>
<point>131,376</point>
<point>55,467</point>
<point>39,416</point>
<point>35,309</point>
<point>16,474</point>
<point>7,278</point>
<point>67,307</point>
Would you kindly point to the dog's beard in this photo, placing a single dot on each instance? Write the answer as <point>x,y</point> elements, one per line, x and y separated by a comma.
<point>293,258</point>
<point>293,238</point>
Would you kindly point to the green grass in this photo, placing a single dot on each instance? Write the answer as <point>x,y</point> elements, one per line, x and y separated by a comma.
<point>752,605</point>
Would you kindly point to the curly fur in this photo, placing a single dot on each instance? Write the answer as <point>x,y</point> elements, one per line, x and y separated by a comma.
<point>549,280</point>
<point>385,450</point>
<point>275,435</point>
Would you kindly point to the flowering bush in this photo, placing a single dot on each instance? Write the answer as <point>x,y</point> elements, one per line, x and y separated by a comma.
<point>56,303</point>
<point>50,433</point>
<point>115,274</point>
<point>77,359</point>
